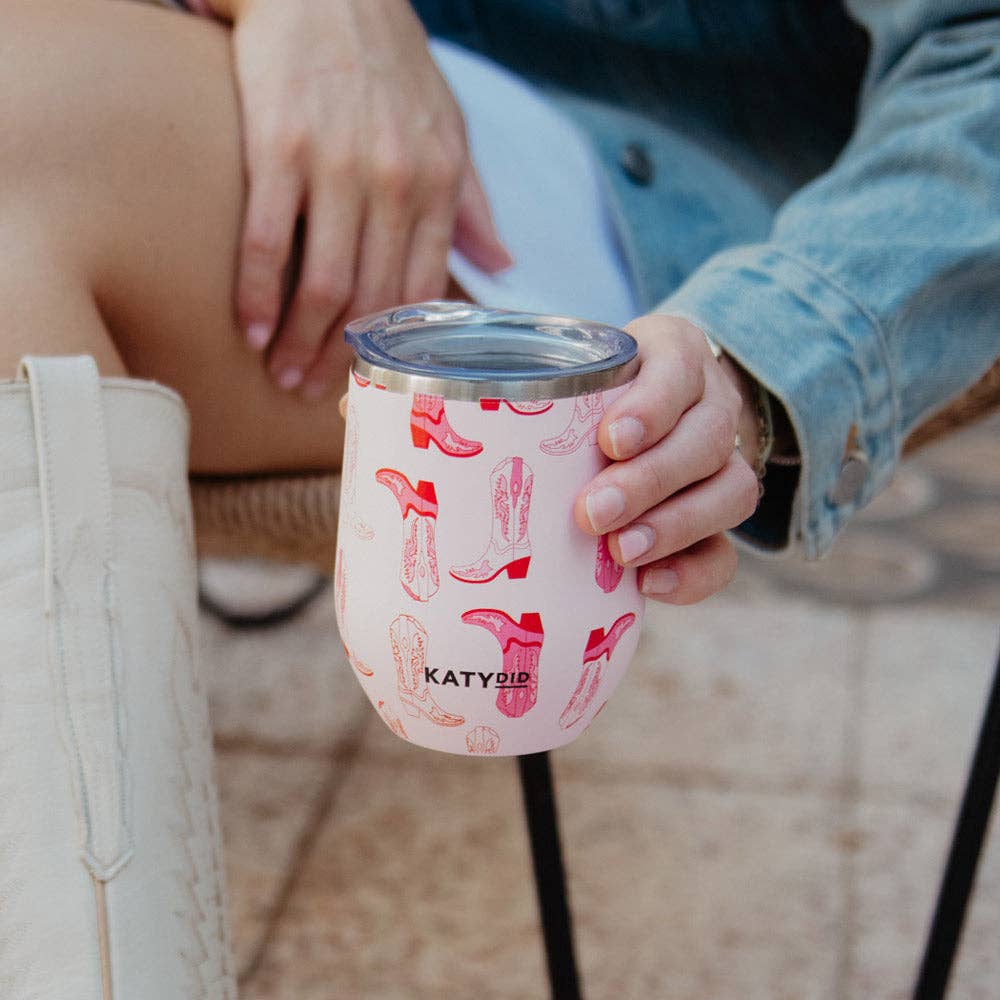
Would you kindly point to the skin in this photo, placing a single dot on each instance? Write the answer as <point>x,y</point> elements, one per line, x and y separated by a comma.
<point>123,213</point>
<point>349,124</point>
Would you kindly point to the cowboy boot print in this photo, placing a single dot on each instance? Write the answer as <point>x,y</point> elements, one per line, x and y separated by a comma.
<point>521,646</point>
<point>391,719</point>
<point>582,427</point>
<point>418,567</point>
<point>340,590</point>
<point>482,739</point>
<point>524,407</point>
<point>358,526</point>
<point>428,422</point>
<point>408,639</point>
<point>597,654</point>
<point>607,572</point>
<point>509,547</point>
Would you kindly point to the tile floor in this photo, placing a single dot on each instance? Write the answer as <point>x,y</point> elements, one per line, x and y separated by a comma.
<point>761,812</point>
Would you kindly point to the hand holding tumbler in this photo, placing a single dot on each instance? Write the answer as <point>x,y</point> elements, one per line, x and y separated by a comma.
<point>478,617</point>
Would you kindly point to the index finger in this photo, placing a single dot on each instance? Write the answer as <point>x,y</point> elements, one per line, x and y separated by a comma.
<point>670,381</point>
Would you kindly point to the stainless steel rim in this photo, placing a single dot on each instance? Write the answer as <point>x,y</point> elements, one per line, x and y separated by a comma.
<point>472,390</point>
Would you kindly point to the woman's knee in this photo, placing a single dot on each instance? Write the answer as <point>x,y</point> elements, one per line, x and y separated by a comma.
<point>121,134</point>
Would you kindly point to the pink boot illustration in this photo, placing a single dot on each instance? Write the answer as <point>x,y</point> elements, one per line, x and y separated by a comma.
<point>525,407</point>
<point>340,590</point>
<point>600,648</point>
<point>418,568</point>
<point>509,547</point>
<point>358,526</point>
<point>521,645</point>
<point>408,639</point>
<point>428,422</point>
<point>581,429</point>
<point>607,572</point>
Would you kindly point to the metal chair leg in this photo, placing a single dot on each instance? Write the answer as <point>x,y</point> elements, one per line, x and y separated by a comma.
<point>550,879</point>
<point>963,858</point>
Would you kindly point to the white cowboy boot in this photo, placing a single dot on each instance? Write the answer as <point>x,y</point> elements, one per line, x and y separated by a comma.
<point>582,427</point>
<point>408,639</point>
<point>110,867</point>
<point>509,547</point>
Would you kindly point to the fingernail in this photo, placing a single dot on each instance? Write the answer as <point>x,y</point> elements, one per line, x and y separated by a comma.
<point>659,581</point>
<point>258,335</point>
<point>290,378</point>
<point>626,435</point>
<point>604,507</point>
<point>505,259</point>
<point>634,541</point>
<point>498,260</point>
<point>314,391</point>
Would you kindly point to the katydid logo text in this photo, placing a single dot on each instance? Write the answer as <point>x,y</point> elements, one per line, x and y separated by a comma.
<point>518,679</point>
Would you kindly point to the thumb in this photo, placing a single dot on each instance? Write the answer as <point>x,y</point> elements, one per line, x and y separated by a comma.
<point>476,237</point>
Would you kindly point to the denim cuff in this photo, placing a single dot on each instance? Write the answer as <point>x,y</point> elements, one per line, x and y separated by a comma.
<point>824,356</point>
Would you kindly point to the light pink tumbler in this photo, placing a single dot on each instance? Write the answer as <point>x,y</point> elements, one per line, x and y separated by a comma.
<point>478,617</point>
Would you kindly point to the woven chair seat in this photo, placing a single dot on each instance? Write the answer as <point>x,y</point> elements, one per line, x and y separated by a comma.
<point>287,518</point>
<point>293,518</point>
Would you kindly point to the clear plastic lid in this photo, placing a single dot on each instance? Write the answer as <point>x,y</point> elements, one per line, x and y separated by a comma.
<point>463,351</point>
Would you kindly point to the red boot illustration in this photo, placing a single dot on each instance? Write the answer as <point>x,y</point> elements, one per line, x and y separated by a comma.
<point>428,422</point>
<point>408,639</point>
<point>607,572</point>
<point>525,407</point>
<point>582,428</point>
<point>340,589</point>
<point>418,567</point>
<point>509,547</point>
<point>600,648</point>
<point>358,526</point>
<point>521,645</point>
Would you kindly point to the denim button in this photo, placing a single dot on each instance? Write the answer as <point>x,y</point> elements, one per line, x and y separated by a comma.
<point>636,164</point>
<point>853,472</point>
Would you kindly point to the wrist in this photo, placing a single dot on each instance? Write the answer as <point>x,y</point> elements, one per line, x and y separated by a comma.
<point>756,426</point>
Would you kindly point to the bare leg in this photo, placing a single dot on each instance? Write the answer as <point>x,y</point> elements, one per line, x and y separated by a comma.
<point>121,195</point>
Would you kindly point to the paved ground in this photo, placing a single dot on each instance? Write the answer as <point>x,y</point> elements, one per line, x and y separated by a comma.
<point>761,812</point>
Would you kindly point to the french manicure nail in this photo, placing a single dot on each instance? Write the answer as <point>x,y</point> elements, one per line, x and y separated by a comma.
<point>634,541</point>
<point>290,378</point>
<point>499,261</point>
<point>626,435</point>
<point>659,581</point>
<point>506,260</point>
<point>604,507</point>
<point>258,335</point>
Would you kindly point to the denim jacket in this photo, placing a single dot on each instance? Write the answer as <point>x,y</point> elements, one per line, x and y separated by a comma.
<point>816,187</point>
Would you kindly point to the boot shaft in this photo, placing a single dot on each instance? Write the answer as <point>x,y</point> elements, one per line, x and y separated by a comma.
<point>110,864</point>
<point>511,481</point>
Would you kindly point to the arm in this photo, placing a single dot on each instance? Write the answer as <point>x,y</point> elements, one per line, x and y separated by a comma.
<point>877,298</point>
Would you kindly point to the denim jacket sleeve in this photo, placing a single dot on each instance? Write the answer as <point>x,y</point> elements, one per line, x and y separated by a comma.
<point>876,299</point>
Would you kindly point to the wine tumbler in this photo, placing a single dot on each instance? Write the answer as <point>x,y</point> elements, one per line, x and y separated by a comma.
<point>476,614</point>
